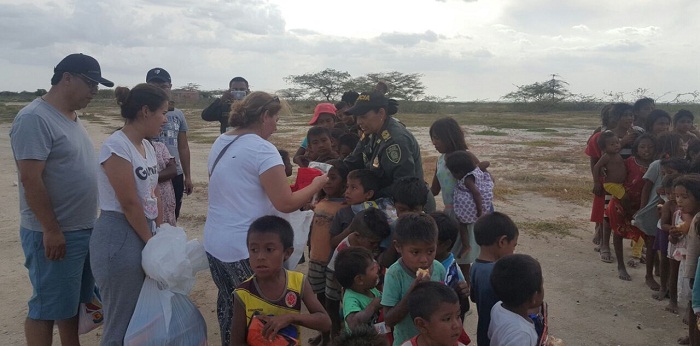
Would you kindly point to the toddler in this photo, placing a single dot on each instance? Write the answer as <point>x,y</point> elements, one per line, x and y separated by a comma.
<point>358,273</point>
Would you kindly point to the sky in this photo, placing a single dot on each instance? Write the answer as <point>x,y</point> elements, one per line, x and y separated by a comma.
<point>469,50</point>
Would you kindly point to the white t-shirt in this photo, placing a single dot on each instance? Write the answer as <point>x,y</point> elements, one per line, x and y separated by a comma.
<point>236,196</point>
<point>145,173</point>
<point>510,329</point>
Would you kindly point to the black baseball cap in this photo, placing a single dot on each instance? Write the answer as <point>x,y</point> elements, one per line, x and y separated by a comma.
<point>158,74</point>
<point>83,65</point>
<point>368,101</point>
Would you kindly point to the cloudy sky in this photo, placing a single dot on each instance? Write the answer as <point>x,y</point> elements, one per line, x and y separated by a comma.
<point>471,50</point>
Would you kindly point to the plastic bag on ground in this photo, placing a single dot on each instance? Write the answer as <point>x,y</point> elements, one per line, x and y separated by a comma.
<point>164,318</point>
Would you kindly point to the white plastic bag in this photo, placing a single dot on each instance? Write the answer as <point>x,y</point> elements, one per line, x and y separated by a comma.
<point>301,224</point>
<point>172,261</point>
<point>90,315</point>
<point>164,318</point>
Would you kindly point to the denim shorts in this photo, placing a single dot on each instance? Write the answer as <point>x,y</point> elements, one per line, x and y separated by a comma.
<point>58,286</point>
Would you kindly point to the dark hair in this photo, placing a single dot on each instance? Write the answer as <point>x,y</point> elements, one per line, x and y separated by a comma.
<point>338,132</point>
<point>694,147</point>
<point>691,182</point>
<point>459,163</point>
<point>605,115</point>
<point>350,97</point>
<point>416,227</point>
<point>448,131</point>
<point>644,137</point>
<point>618,110</point>
<point>676,163</point>
<point>340,166</point>
<point>340,105</point>
<point>668,180</point>
<point>653,117</point>
<point>318,131</point>
<point>349,139</point>
<point>351,262</point>
<point>57,76</point>
<point>411,191</point>
<point>132,101</point>
<point>248,111</point>
<point>516,278</point>
<point>276,225</point>
<point>668,144</point>
<point>360,335</point>
<point>641,102</point>
<point>448,229</point>
<point>370,223</point>
<point>683,113</point>
<point>602,140</point>
<point>238,79</point>
<point>490,227</point>
<point>424,301</point>
<point>368,179</point>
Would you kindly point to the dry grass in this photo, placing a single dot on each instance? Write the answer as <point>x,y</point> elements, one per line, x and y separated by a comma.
<point>489,133</point>
<point>559,228</point>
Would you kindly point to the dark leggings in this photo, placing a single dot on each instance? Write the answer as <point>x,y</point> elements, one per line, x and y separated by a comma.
<point>179,187</point>
<point>227,276</point>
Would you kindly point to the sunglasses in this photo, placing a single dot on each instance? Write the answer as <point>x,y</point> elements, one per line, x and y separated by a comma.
<point>90,83</point>
<point>263,108</point>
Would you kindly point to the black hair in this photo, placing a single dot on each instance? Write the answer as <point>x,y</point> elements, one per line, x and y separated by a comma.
<point>605,115</point>
<point>318,131</point>
<point>411,191</point>
<point>668,144</point>
<point>644,137</point>
<point>349,139</point>
<point>668,180</point>
<point>340,105</point>
<point>351,262</point>
<point>370,223</point>
<point>602,140</point>
<point>691,182</point>
<point>491,227</point>
<point>683,113</point>
<point>618,110</point>
<point>238,79</point>
<point>360,335</point>
<point>276,225</point>
<point>448,131</point>
<point>338,132</point>
<point>448,229</point>
<point>424,301</point>
<point>641,102</point>
<point>459,163</point>
<point>57,76</point>
<point>676,163</point>
<point>248,111</point>
<point>654,116</point>
<point>516,278</point>
<point>416,227</point>
<point>132,101</point>
<point>340,166</point>
<point>349,97</point>
<point>368,179</point>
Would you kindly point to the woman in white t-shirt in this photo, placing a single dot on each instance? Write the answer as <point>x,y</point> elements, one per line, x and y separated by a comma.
<point>129,203</point>
<point>247,180</point>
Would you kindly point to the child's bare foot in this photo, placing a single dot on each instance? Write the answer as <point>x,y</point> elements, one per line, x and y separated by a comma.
<point>672,308</point>
<point>605,254</point>
<point>684,340</point>
<point>633,263</point>
<point>597,236</point>
<point>622,273</point>
<point>661,294</point>
<point>653,285</point>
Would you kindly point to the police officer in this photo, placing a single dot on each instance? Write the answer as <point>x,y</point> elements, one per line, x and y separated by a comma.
<point>386,147</point>
<point>220,108</point>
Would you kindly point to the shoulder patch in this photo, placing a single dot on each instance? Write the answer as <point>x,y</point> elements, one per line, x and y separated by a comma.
<point>393,152</point>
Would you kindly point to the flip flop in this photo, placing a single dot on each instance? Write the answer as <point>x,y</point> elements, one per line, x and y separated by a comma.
<point>606,256</point>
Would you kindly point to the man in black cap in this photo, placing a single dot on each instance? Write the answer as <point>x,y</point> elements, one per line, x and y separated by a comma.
<point>174,135</point>
<point>220,108</point>
<point>57,172</point>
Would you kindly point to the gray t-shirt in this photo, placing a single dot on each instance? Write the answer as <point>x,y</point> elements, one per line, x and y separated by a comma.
<point>169,132</point>
<point>40,132</point>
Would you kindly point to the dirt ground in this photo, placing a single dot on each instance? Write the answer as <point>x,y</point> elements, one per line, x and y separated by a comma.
<point>537,182</point>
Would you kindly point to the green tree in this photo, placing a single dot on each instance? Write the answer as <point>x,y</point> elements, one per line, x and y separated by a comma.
<point>402,86</point>
<point>40,92</point>
<point>551,91</point>
<point>328,83</point>
<point>191,87</point>
<point>292,94</point>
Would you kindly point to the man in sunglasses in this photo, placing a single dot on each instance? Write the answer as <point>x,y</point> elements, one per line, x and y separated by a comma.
<point>220,108</point>
<point>57,173</point>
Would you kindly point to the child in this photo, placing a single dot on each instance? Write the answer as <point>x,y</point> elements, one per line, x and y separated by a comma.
<point>361,187</point>
<point>612,167</point>
<point>658,122</point>
<point>269,241</point>
<point>448,229</point>
<point>641,110</point>
<point>517,281</point>
<point>497,236</point>
<point>320,146</point>
<point>416,242</point>
<point>673,225</point>
<point>683,125</point>
<point>346,144</point>
<point>361,335</point>
<point>167,170</point>
<point>473,196</point>
<point>358,273</point>
<point>324,116</point>
<point>436,314</point>
<point>287,162</point>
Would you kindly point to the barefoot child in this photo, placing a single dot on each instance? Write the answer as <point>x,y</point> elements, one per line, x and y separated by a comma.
<point>612,167</point>
<point>416,242</point>
<point>269,242</point>
<point>436,314</point>
<point>673,223</point>
<point>358,273</point>
<point>687,190</point>
<point>517,281</point>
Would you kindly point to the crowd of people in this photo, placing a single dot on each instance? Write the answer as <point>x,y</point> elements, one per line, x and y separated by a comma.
<point>645,165</point>
<point>384,266</point>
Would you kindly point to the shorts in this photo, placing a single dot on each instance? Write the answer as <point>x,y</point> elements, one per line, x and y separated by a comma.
<point>661,242</point>
<point>58,287</point>
<point>617,190</point>
<point>333,288</point>
<point>317,276</point>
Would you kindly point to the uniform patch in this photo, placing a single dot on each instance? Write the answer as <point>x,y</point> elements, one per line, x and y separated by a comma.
<point>290,299</point>
<point>393,152</point>
<point>385,135</point>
